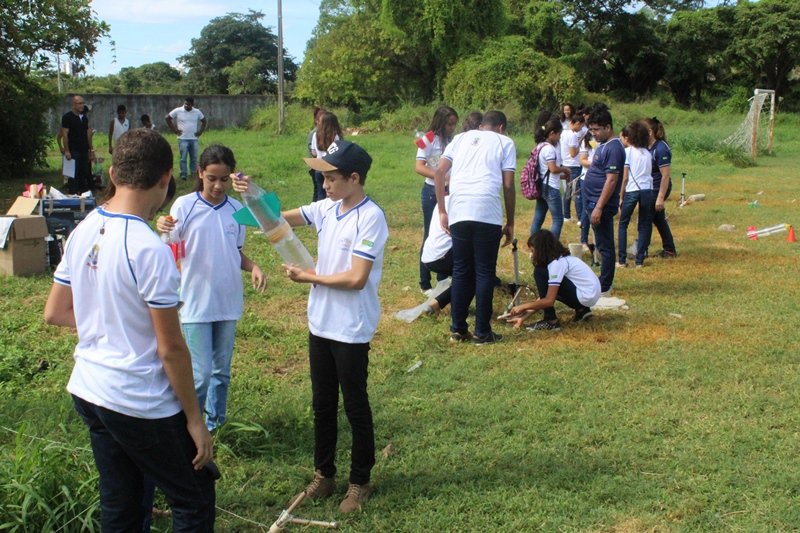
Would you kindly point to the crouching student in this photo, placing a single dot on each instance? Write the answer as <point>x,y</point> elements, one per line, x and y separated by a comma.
<point>343,312</point>
<point>437,255</point>
<point>559,276</point>
<point>132,385</point>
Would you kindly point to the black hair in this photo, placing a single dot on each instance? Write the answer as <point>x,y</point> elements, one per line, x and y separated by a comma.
<point>215,154</point>
<point>636,134</point>
<point>145,117</point>
<point>473,121</point>
<point>601,116</point>
<point>577,118</point>
<point>439,121</point>
<point>121,107</point>
<point>544,131</point>
<point>546,248</point>
<point>189,100</point>
<point>140,159</point>
<point>494,119</point>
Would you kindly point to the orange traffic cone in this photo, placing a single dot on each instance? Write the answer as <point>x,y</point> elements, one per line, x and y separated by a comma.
<point>790,237</point>
<point>751,233</point>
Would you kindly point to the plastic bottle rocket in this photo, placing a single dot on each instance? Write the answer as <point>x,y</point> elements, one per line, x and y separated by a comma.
<point>263,210</point>
<point>177,246</point>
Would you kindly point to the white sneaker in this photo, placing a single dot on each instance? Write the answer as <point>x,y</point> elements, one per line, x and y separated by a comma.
<point>427,292</point>
<point>605,294</point>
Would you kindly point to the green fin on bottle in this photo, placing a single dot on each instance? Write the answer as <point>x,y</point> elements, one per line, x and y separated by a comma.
<point>269,202</point>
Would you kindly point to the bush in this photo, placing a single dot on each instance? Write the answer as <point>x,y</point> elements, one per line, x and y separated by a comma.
<point>24,136</point>
<point>509,72</point>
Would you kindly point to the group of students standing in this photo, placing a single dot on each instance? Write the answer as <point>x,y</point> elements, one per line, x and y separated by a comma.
<point>152,364</point>
<point>604,174</point>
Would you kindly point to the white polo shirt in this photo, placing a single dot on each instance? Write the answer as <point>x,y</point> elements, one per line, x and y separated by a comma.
<point>438,242</point>
<point>586,282</point>
<point>339,314</point>
<point>187,121</point>
<point>118,269</point>
<point>546,154</point>
<point>479,158</point>
<point>431,155</point>
<point>569,139</point>
<point>211,279</point>
<point>639,162</point>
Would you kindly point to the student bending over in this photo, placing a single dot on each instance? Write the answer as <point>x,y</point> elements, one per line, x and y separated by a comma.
<point>559,276</point>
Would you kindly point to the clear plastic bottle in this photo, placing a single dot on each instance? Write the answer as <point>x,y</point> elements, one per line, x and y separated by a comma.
<point>276,228</point>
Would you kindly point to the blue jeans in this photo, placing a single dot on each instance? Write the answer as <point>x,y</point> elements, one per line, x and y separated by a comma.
<point>337,364</point>
<point>475,246</point>
<point>428,202</point>
<point>585,220</point>
<point>567,292</point>
<point>190,147</point>
<point>646,201</point>
<point>126,449</point>
<point>661,224</point>
<point>604,240</point>
<point>319,191</point>
<point>211,344</point>
<point>574,173</point>
<point>551,202</point>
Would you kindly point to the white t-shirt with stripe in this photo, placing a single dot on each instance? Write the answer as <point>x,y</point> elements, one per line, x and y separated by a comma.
<point>479,159</point>
<point>431,155</point>
<point>118,269</point>
<point>546,154</point>
<point>211,279</point>
<point>340,314</point>
<point>587,284</point>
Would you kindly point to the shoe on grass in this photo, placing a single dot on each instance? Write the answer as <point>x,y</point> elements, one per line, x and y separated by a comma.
<point>356,495</point>
<point>544,325</point>
<point>582,314</point>
<point>460,337</point>
<point>666,254</point>
<point>492,337</point>
<point>622,265</point>
<point>320,487</point>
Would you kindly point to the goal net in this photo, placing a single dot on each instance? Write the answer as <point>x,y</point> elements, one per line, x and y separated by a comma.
<point>756,132</point>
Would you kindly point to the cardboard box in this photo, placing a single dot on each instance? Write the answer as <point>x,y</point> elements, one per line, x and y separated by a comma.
<point>25,250</point>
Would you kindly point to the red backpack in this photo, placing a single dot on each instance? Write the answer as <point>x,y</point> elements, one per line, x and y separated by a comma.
<point>530,181</point>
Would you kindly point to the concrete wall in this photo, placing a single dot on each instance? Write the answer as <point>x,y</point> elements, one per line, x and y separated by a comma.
<point>221,111</point>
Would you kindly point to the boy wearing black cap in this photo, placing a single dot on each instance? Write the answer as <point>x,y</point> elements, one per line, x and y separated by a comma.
<point>343,312</point>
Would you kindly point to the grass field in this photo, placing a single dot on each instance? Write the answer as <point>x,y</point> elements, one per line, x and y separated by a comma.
<point>679,414</point>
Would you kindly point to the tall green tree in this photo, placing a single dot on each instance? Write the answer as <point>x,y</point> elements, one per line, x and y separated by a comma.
<point>228,39</point>
<point>401,48</point>
<point>696,41</point>
<point>153,78</point>
<point>31,34</point>
<point>766,42</point>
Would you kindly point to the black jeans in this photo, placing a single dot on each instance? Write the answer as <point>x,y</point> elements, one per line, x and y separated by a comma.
<point>567,293</point>
<point>334,364</point>
<point>82,181</point>
<point>475,246</point>
<point>126,449</point>
<point>604,240</point>
<point>444,268</point>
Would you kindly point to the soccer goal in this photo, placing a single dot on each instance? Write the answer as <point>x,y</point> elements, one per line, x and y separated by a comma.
<point>758,129</point>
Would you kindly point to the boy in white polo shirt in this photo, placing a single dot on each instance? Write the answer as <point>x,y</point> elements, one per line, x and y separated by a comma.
<point>343,312</point>
<point>117,284</point>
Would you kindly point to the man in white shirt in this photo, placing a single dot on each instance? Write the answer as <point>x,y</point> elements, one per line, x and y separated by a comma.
<point>191,123</point>
<point>480,163</point>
